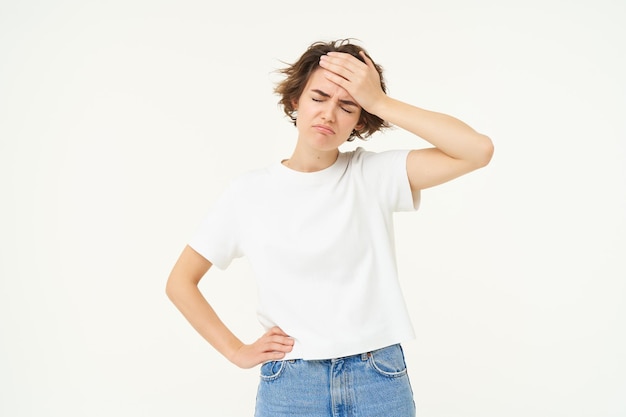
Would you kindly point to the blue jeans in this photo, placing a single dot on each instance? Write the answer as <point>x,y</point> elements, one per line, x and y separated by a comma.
<point>372,384</point>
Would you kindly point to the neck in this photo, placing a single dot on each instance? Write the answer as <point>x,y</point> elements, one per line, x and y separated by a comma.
<point>311,161</point>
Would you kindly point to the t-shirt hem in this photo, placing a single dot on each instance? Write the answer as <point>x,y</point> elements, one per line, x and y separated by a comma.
<point>342,353</point>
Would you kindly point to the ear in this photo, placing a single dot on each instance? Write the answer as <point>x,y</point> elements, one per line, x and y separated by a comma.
<point>294,104</point>
<point>361,123</point>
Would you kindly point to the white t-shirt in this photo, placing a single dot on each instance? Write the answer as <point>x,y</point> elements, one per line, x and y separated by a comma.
<point>321,245</point>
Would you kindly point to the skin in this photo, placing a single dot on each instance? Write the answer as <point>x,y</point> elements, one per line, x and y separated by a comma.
<point>328,111</point>
<point>327,114</point>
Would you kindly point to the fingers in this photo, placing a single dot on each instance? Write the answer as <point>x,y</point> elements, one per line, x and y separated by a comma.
<point>368,61</point>
<point>273,345</point>
<point>270,356</point>
<point>275,339</point>
<point>344,60</point>
<point>276,330</point>
<point>360,79</point>
<point>344,65</point>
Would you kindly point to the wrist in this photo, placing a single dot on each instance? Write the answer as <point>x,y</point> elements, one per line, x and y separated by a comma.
<point>234,352</point>
<point>379,107</point>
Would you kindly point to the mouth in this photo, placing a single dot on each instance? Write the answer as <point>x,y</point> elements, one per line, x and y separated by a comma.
<point>324,129</point>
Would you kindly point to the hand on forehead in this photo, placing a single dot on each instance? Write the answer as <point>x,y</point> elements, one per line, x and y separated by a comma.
<point>360,79</point>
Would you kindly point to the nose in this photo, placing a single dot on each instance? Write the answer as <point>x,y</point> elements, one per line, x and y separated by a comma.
<point>328,112</point>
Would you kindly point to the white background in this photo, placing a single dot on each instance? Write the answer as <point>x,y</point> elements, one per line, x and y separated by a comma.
<point>121,121</point>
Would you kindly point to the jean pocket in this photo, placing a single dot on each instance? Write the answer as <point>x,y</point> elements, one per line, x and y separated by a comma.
<point>388,361</point>
<point>272,370</point>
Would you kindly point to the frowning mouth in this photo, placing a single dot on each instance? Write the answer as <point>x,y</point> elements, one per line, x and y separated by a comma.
<point>324,129</point>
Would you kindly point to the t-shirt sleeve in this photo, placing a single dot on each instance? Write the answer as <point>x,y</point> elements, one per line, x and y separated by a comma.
<point>217,237</point>
<point>387,172</point>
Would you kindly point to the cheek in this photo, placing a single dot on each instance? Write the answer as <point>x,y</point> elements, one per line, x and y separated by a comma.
<point>353,120</point>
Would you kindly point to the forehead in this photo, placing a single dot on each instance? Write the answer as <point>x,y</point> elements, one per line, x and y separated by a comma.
<point>317,81</point>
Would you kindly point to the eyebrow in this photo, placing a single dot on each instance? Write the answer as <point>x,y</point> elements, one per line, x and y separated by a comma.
<point>326,95</point>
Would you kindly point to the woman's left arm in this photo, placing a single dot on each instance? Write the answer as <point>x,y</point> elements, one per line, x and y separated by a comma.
<point>457,148</point>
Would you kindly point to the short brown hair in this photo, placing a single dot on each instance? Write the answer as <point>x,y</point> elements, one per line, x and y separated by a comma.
<point>296,76</point>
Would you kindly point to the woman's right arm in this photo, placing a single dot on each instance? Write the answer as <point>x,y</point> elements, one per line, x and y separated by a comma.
<point>182,289</point>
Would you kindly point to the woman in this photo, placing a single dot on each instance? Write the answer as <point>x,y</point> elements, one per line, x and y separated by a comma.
<point>317,228</point>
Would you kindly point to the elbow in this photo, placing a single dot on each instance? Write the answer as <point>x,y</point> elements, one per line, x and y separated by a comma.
<point>171,289</point>
<point>178,286</point>
<point>484,152</point>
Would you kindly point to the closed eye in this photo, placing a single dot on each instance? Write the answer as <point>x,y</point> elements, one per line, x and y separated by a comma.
<point>346,105</point>
<point>318,100</point>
